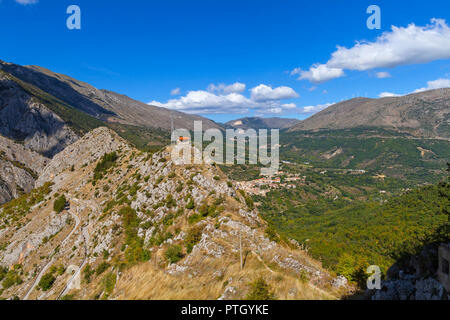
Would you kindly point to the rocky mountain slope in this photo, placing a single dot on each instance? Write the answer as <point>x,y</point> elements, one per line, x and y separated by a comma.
<point>262,123</point>
<point>27,119</point>
<point>136,226</point>
<point>102,104</point>
<point>19,168</point>
<point>425,114</point>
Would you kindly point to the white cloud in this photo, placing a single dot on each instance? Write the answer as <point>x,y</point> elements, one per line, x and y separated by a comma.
<point>400,46</point>
<point>435,84</point>
<point>208,102</point>
<point>26,2</point>
<point>175,92</point>
<point>289,106</point>
<point>388,94</point>
<point>263,93</point>
<point>264,99</point>
<point>431,85</point>
<point>314,109</point>
<point>319,73</point>
<point>382,75</point>
<point>223,88</point>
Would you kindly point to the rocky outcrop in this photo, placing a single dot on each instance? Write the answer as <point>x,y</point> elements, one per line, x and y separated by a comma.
<point>19,169</point>
<point>409,287</point>
<point>23,118</point>
<point>412,278</point>
<point>88,149</point>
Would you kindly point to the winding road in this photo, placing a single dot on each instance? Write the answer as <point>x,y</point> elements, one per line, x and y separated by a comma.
<point>85,234</point>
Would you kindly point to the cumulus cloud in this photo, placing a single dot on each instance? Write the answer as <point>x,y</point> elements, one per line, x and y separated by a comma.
<point>319,73</point>
<point>263,93</point>
<point>435,84</point>
<point>175,92</point>
<point>382,75</point>
<point>215,100</point>
<point>26,2</point>
<point>399,46</point>
<point>236,87</point>
<point>314,109</point>
<point>388,94</point>
<point>431,85</point>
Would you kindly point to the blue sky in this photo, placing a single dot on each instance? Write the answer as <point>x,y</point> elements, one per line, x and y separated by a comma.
<point>235,58</point>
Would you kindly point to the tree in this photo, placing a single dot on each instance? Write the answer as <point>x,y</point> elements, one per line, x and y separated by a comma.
<point>260,290</point>
<point>59,204</point>
<point>46,282</point>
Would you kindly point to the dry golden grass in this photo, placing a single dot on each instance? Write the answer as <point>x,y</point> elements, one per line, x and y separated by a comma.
<point>149,282</point>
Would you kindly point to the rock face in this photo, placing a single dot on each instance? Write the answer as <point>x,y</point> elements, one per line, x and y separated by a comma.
<point>130,219</point>
<point>19,168</point>
<point>425,114</point>
<point>23,118</point>
<point>88,149</point>
<point>413,278</point>
<point>411,288</point>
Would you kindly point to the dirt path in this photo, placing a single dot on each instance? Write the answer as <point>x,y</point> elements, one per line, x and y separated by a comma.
<point>48,264</point>
<point>85,234</point>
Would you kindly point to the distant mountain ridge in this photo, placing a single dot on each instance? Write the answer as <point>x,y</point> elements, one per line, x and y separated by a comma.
<point>102,104</point>
<point>262,123</point>
<point>425,114</point>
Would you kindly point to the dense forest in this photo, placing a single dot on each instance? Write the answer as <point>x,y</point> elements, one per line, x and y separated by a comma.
<point>348,235</point>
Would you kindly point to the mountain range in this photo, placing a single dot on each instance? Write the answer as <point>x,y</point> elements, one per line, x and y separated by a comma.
<point>95,208</point>
<point>261,123</point>
<point>424,114</point>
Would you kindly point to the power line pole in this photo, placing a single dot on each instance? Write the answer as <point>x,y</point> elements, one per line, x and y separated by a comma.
<point>240,249</point>
<point>171,127</point>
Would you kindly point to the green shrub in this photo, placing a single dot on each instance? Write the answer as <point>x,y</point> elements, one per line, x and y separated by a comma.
<point>102,268</point>
<point>260,290</point>
<point>193,236</point>
<point>190,205</point>
<point>10,279</point>
<point>173,254</point>
<point>46,281</point>
<point>87,273</point>
<point>106,162</point>
<point>109,282</point>
<point>272,234</point>
<point>194,218</point>
<point>59,204</point>
<point>170,201</point>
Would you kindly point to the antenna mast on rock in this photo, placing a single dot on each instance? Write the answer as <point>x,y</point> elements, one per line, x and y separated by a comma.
<point>171,127</point>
